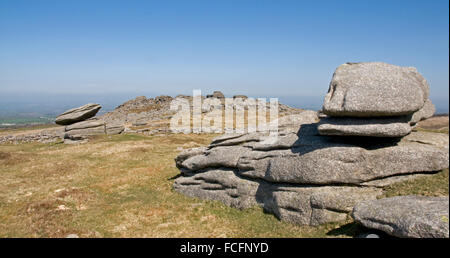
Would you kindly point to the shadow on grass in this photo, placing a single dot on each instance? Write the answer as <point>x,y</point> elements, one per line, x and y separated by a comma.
<point>174,177</point>
<point>356,230</point>
<point>352,229</point>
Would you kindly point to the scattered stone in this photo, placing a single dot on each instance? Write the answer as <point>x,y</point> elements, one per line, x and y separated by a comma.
<point>42,136</point>
<point>72,236</point>
<point>406,216</point>
<point>78,114</point>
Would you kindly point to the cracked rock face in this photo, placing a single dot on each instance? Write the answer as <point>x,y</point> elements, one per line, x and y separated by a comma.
<point>302,177</point>
<point>406,216</point>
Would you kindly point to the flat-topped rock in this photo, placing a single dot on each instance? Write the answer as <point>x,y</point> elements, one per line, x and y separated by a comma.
<point>370,127</point>
<point>375,89</point>
<point>78,114</point>
<point>406,216</point>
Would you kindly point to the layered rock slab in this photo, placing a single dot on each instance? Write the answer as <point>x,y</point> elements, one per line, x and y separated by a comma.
<point>86,128</point>
<point>406,216</point>
<point>373,127</point>
<point>305,158</point>
<point>306,205</point>
<point>303,177</point>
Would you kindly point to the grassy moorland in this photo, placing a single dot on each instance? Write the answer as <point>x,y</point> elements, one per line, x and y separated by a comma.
<point>121,186</point>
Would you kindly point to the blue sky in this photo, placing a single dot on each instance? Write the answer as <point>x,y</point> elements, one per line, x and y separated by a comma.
<point>258,48</point>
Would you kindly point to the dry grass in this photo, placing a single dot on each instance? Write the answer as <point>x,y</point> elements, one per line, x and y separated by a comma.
<point>121,186</point>
<point>436,185</point>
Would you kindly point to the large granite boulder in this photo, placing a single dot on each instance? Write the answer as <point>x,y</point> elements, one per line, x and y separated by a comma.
<point>78,114</point>
<point>406,216</point>
<point>375,89</point>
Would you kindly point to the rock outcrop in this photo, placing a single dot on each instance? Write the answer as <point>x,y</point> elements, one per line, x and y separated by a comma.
<point>152,115</point>
<point>376,100</point>
<point>305,177</point>
<point>78,114</point>
<point>406,216</point>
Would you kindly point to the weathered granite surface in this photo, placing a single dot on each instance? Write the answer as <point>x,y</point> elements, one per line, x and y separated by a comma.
<point>406,216</point>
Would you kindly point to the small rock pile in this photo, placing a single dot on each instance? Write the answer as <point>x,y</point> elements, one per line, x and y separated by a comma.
<point>375,100</point>
<point>43,136</point>
<point>311,174</point>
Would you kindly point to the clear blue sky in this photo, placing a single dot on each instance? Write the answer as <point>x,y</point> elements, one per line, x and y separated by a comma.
<point>258,48</point>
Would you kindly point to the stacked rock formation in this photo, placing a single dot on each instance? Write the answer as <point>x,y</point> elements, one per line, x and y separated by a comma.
<point>375,100</point>
<point>80,123</point>
<point>308,178</point>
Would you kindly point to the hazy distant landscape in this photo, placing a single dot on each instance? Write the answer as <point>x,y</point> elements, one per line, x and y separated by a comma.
<point>21,109</point>
<point>31,109</point>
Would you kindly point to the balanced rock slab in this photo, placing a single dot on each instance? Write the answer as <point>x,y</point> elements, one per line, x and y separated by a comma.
<point>375,89</point>
<point>78,114</point>
<point>406,216</point>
